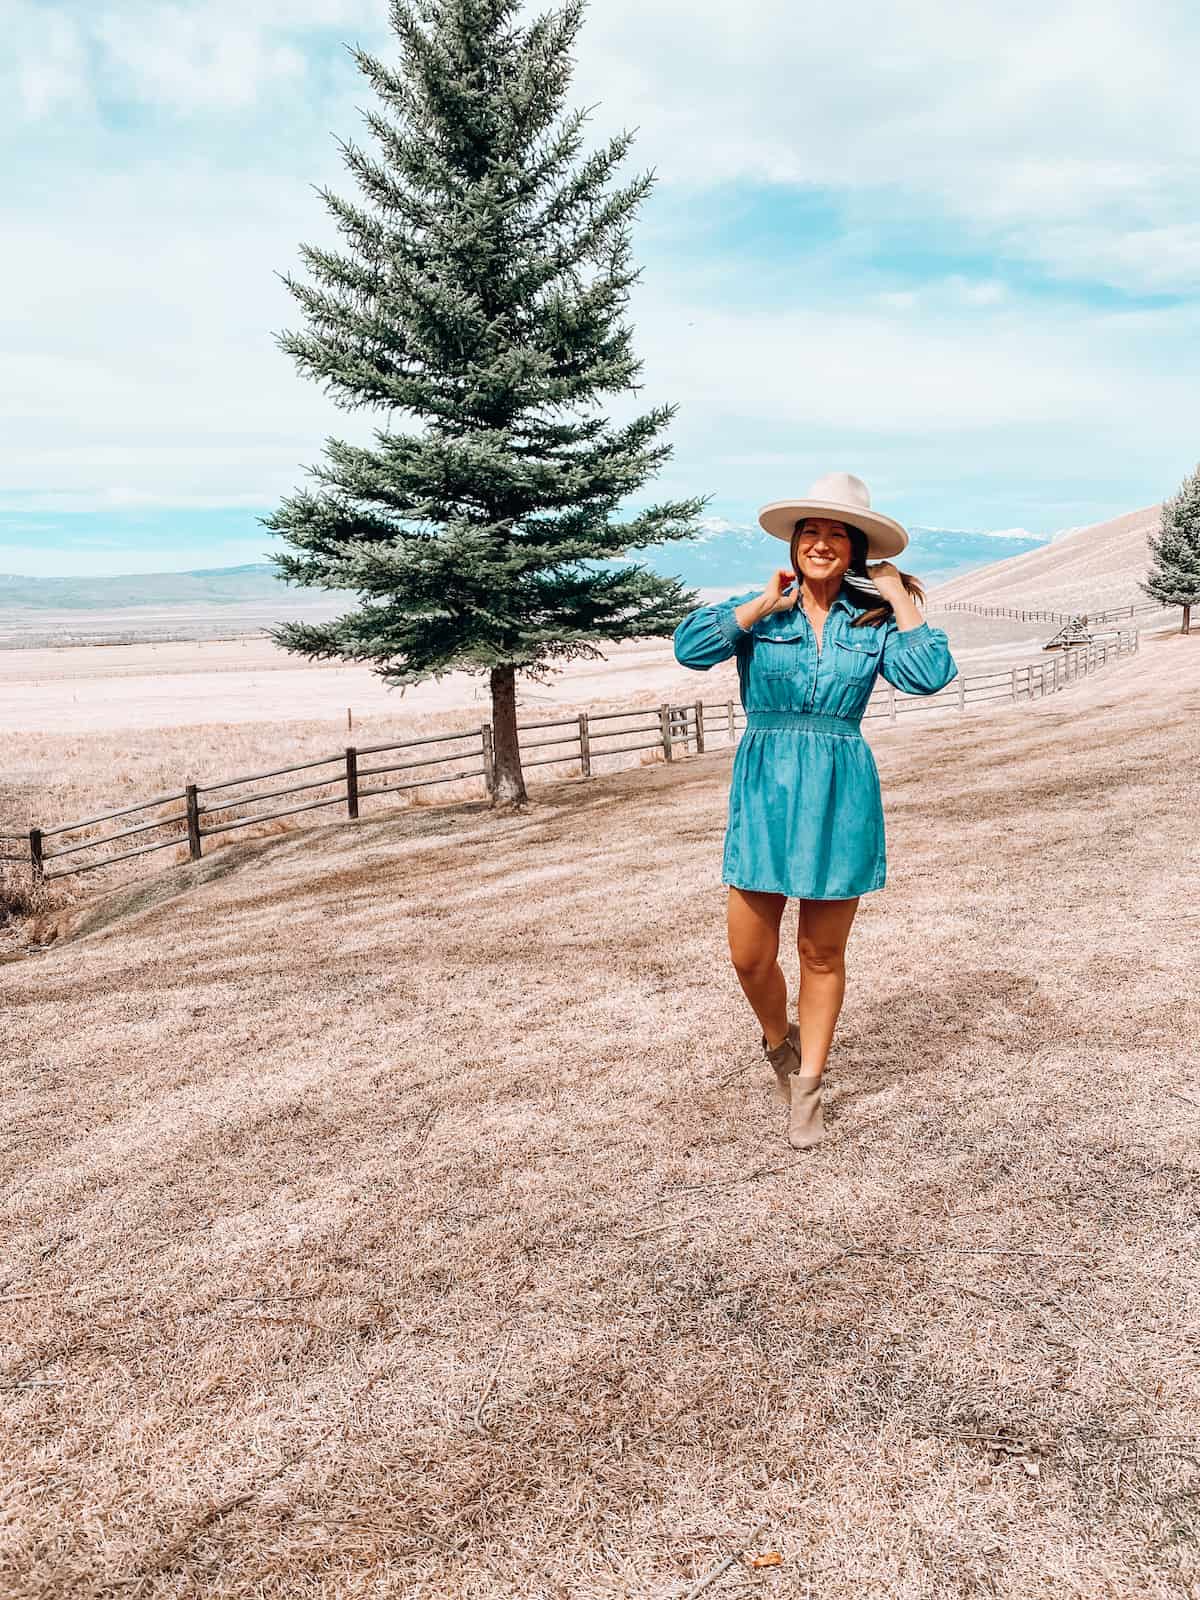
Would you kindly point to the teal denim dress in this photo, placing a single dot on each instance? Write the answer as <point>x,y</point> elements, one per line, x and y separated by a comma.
<point>805,811</point>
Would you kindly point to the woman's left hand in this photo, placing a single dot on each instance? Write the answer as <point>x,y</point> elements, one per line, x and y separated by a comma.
<point>885,577</point>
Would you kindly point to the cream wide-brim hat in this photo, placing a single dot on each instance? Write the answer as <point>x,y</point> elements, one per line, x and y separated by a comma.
<point>843,498</point>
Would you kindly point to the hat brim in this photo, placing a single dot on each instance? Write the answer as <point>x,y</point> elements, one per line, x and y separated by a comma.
<point>885,537</point>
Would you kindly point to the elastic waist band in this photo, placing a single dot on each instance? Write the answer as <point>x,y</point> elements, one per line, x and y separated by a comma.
<point>810,721</point>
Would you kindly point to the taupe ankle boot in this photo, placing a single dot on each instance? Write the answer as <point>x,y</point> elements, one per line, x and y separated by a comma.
<point>784,1059</point>
<point>806,1125</point>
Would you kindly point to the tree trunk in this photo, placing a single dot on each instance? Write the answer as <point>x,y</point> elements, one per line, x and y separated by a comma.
<point>1187,620</point>
<point>509,781</point>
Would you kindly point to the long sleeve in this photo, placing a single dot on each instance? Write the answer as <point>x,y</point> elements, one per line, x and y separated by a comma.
<point>918,660</point>
<point>710,633</point>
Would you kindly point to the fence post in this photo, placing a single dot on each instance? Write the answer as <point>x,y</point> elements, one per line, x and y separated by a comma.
<point>351,781</point>
<point>35,854</point>
<point>585,747</point>
<point>732,729</point>
<point>1014,683</point>
<point>193,821</point>
<point>962,693</point>
<point>699,727</point>
<point>892,702</point>
<point>489,757</point>
<point>664,723</point>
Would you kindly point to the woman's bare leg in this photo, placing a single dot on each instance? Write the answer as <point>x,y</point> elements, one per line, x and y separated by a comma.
<point>822,930</point>
<point>752,921</point>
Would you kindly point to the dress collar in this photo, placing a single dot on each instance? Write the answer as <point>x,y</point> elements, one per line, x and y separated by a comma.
<point>840,599</point>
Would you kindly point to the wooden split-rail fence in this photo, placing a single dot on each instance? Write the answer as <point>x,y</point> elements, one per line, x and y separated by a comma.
<point>201,811</point>
<point>1117,614</point>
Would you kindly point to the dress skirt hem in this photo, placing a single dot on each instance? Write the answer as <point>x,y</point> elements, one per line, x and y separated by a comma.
<point>791,894</point>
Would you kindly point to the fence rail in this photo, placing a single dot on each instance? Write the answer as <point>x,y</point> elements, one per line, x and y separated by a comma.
<point>670,729</point>
<point>1118,614</point>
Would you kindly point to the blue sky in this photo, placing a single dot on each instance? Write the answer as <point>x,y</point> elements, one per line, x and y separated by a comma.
<point>955,254</point>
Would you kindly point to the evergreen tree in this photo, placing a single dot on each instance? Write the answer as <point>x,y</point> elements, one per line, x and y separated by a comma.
<point>1174,576</point>
<point>479,293</point>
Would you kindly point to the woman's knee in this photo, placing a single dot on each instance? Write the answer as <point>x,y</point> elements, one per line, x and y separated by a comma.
<point>753,961</point>
<point>821,958</point>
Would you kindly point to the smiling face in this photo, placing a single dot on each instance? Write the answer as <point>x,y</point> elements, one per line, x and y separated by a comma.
<point>821,549</point>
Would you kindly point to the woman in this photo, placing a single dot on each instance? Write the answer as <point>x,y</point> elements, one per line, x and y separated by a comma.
<point>805,812</point>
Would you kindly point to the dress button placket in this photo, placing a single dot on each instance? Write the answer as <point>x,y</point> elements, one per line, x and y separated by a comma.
<point>811,698</point>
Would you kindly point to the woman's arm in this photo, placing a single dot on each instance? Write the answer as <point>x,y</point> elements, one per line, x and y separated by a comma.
<point>916,658</point>
<point>712,633</point>
<point>907,611</point>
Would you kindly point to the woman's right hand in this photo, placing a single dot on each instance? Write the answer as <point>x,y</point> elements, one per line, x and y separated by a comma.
<point>773,598</point>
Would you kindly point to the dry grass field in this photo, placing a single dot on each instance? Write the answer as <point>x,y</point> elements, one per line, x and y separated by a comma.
<point>401,1210</point>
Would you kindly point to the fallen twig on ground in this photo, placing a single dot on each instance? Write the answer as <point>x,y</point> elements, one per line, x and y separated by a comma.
<point>729,1183</point>
<point>711,1576</point>
<point>477,1414</point>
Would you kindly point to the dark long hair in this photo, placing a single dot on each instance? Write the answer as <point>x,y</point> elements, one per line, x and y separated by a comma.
<point>873,610</point>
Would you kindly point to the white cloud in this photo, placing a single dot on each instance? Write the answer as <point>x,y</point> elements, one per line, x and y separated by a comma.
<point>48,61</point>
<point>839,368</point>
<point>125,497</point>
<point>1058,136</point>
<point>178,58</point>
<point>985,292</point>
<point>949,293</point>
<point>219,54</point>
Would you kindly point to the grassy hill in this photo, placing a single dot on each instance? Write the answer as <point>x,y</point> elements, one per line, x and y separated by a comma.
<point>1089,568</point>
<point>400,1209</point>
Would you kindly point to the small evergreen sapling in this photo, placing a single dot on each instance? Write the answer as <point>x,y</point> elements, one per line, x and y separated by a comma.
<point>479,292</point>
<point>1174,576</point>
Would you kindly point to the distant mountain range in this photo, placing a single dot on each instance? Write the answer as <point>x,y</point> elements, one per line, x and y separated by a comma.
<point>734,556</point>
<point>217,586</point>
<point>725,555</point>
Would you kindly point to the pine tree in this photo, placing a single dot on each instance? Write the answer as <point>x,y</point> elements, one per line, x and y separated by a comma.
<point>1174,576</point>
<point>479,294</point>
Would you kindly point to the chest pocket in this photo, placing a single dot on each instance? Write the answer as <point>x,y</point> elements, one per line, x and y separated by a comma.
<point>779,650</point>
<point>857,656</point>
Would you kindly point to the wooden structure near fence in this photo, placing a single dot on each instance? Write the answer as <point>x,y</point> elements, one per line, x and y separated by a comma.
<point>200,811</point>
